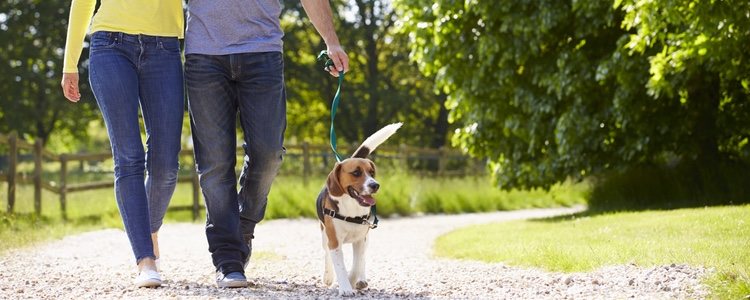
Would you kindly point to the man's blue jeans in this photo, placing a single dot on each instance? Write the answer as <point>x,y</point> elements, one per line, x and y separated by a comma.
<point>128,72</point>
<point>219,88</point>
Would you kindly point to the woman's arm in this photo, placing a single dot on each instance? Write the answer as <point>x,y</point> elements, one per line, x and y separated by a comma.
<point>81,12</point>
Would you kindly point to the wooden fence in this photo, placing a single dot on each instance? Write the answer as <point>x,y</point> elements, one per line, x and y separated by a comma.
<point>311,160</point>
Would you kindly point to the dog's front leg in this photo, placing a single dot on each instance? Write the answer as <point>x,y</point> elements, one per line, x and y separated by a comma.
<point>328,273</point>
<point>357,277</point>
<point>345,288</point>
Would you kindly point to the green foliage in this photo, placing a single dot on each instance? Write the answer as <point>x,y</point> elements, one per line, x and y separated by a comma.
<point>382,87</point>
<point>401,195</point>
<point>698,62</point>
<point>668,187</point>
<point>700,237</point>
<point>20,230</point>
<point>552,90</point>
<point>32,39</point>
<point>404,195</point>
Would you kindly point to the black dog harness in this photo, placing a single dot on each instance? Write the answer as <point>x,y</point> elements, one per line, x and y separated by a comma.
<point>362,220</point>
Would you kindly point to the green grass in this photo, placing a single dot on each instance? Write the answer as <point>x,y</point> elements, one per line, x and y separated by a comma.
<point>17,231</point>
<point>716,237</point>
<point>405,195</point>
<point>289,198</point>
<point>87,210</point>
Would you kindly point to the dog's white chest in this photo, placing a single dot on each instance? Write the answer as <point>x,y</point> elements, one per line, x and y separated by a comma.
<point>349,233</point>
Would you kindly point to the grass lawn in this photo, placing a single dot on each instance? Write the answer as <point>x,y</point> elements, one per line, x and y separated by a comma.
<point>717,237</point>
<point>401,194</point>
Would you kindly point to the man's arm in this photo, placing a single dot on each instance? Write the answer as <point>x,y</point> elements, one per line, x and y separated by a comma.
<point>319,12</point>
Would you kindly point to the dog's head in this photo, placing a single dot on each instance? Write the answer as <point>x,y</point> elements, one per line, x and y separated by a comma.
<point>356,178</point>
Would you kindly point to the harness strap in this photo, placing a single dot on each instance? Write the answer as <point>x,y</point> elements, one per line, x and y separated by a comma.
<point>362,220</point>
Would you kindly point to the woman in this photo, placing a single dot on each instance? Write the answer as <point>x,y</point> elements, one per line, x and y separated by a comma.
<point>135,61</point>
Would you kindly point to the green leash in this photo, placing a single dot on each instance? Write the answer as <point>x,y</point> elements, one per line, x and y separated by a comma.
<point>328,63</point>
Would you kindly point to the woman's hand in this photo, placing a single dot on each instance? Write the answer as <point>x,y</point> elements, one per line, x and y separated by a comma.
<point>70,86</point>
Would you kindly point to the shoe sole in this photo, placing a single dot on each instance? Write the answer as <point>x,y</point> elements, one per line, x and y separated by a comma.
<point>232,284</point>
<point>151,283</point>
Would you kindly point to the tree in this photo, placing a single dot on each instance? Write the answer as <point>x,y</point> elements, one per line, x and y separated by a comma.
<point>383,86</point>
<point>32,38</point>
<point>550,90</point>
<point>698,53</point>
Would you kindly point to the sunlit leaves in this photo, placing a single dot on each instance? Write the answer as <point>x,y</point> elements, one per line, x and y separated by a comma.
<point>553,89</point>
<point>32,37</point>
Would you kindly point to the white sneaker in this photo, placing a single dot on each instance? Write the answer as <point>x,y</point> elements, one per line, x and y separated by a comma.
<point>148,278</point>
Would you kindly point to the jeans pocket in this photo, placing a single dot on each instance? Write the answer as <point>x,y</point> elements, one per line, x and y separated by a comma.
<point>274,59</point>
<point>103,40</point>
<point>170,45</point>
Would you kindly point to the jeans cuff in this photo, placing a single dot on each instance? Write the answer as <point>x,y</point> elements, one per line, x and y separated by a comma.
<point>230,267</point>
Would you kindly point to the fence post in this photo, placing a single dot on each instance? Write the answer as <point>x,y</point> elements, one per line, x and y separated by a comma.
<point>38,177</point>
<point>441,161</point>
<point>196,190</point>
<point>402,150</point>
<point>63,185</point>
<point>13,160</point>
<point>305,162</point>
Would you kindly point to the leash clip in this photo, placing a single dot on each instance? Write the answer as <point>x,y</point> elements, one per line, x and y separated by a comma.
<point>327,61</point>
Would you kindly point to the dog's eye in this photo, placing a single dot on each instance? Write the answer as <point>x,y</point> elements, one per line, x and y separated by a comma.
<point>372,173</point>
<point>357,173</point>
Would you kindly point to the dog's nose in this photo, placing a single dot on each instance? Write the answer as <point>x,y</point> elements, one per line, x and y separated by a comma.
<point>374,186</point>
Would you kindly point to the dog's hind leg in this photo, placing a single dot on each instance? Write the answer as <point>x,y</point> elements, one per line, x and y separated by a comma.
<point>357,276</point>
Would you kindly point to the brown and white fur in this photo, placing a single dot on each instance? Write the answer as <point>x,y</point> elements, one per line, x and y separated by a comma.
<point>349,192</point>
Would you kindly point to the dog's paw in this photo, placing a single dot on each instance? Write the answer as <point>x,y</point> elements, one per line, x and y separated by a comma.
<point>360,285</point>
<point>328,280</point>
<point>346,292</point>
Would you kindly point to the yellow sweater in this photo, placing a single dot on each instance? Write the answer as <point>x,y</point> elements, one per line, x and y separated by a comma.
<point>150,17</point>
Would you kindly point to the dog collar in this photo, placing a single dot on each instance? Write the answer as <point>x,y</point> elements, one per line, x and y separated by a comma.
<point>362,220</point>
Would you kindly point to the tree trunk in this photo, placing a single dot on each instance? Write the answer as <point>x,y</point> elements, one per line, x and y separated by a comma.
<point>440,134</point>
<point>705,101</point>
<point>369,21</point>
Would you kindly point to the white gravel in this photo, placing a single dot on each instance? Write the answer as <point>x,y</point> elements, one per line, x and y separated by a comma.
<point>289,264</point>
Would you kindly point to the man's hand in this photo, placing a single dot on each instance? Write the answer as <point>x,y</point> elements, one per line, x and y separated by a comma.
<point>319,12</point>
<point>340,60</point>
<point>70,86</point>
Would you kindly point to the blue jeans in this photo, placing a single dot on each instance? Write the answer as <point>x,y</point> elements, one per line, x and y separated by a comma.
<point>128,72</point>
<point>219,87</point>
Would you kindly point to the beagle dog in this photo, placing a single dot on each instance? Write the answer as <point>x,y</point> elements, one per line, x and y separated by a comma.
<point>344,207</point>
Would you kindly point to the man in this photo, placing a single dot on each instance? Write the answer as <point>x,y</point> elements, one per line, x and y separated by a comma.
<point>234,64</point>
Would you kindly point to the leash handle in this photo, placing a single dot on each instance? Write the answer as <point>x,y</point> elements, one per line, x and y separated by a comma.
<point>328,63</point>
<point>374,213</point>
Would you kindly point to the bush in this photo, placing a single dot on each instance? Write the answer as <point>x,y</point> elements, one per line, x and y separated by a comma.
<point>688,184</point>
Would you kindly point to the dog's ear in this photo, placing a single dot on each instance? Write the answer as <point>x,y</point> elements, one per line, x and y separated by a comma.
<point>333,184</point>
<point>374,170</point>
<point>362,152</point>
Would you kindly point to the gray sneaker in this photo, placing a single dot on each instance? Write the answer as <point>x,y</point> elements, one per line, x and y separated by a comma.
<point>231,280</point>
<point>248,238</point>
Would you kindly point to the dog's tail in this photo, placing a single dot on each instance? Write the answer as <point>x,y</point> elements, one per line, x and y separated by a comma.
<point>372,142</point>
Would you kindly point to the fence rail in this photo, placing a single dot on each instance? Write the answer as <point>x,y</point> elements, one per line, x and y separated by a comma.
<point>312,159</point>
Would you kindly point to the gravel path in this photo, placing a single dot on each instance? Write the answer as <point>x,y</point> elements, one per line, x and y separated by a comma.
<point>289,264</point>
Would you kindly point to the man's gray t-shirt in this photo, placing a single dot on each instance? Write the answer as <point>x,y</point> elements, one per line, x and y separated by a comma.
<point>221,27</point>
